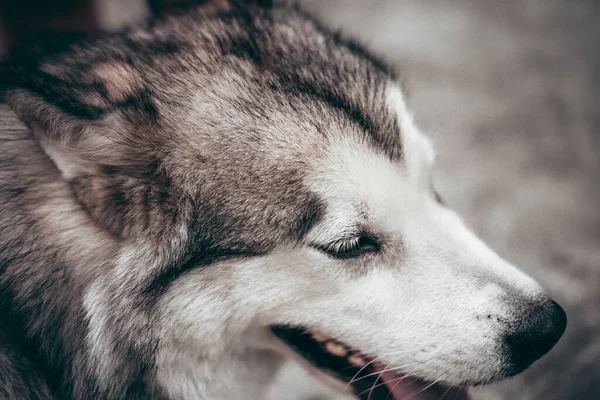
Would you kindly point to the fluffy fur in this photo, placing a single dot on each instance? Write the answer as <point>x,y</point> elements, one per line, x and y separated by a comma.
<point>167,194</point>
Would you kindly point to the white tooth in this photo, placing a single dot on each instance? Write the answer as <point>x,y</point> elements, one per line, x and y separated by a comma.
<point>336,349</point>
<point>357,360</point>
<point>320,338</point>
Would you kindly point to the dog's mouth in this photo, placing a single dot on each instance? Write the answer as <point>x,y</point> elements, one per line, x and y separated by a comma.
<point>349,369</point>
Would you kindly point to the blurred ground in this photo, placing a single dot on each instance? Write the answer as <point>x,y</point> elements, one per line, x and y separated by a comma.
<point>510,92</point>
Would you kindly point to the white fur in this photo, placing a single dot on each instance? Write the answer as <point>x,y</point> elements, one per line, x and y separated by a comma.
<point>431,304</point>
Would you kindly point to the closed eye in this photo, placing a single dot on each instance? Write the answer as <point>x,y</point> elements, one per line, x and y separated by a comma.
<point>352,248</point>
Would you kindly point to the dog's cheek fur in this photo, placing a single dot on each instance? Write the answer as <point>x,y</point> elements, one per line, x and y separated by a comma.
<point>215,320</point>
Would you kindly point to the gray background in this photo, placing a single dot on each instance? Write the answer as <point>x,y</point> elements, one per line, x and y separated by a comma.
<point>510,93</point>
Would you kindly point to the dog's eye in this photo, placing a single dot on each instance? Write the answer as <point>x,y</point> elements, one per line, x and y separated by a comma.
<point>352,248</point>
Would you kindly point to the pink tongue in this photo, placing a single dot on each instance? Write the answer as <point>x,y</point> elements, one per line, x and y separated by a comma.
<point>407,388</point>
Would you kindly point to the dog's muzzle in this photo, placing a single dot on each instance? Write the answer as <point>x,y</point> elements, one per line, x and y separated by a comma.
<point>368,378</point>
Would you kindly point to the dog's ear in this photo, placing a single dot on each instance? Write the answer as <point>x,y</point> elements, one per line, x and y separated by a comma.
<point>97,129</point>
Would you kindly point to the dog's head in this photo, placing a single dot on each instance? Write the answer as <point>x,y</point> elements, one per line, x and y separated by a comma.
<point>267,190</point>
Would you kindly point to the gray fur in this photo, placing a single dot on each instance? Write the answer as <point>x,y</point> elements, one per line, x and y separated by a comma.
<point>143,169</point>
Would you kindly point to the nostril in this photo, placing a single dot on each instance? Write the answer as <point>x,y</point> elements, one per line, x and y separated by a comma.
<point>537,330</point>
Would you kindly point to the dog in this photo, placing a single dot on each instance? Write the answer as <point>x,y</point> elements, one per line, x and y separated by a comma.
<point>190,206</point>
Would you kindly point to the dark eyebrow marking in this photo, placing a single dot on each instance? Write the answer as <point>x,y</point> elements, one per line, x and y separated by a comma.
<point>159,283</point>
<point>204,253</point>
<point>312,213</point>
<point>379,123</point>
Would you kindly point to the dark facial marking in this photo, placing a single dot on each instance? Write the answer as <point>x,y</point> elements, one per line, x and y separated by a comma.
<point>205,251</point>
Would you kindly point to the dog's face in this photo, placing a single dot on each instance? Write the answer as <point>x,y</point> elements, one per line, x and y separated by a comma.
<point>387,276</point>
<point>272,193</point>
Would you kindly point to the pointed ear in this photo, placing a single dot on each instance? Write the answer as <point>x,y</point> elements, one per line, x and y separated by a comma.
<point>61,114</point>
<point>35,95</point>
<point>97,132</point>
<point>93,120</point>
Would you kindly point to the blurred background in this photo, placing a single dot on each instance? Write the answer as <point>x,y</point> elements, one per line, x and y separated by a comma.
<point>510,93</point>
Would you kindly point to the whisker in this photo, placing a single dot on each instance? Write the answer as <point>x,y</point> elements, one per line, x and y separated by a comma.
<point>423,389</point>
<point>386,370</point>
<point>375,383</point>
<point>372,361</point>
<point>394,387</point>
<point>378,378</point>
<point>446,392</point>
<point>399,379</point>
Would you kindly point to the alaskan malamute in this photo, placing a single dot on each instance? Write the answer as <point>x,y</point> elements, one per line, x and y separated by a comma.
<point>189,206</point>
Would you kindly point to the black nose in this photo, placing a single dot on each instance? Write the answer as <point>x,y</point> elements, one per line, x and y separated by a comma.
<point>536,331</point>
